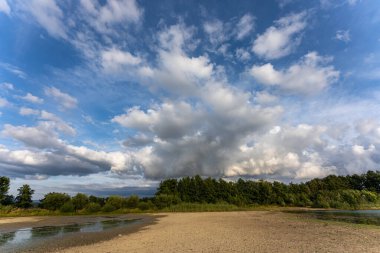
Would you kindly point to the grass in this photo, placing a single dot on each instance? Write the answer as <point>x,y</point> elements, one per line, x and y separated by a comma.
<point>8,211</point>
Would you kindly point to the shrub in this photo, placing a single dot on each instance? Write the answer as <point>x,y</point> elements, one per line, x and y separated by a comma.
<point>93,207</point>
<point>132,201</point>
<point>164,200</point>
<point>80,201</point>
<point>116,201</point>
<point>67,207</point>
<point>143,206</point>
<point>109,208</point>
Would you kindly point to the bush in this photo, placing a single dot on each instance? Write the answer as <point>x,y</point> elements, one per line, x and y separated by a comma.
<point>164,200</point>
<point>93,207</point>
<point>143,206</point>
<point>68,207</point>
<point>132,201</point>
<point>116,201</point>
<point>109,208</point>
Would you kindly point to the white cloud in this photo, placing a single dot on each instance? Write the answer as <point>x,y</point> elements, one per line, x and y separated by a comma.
<point>170,120</point>
<point>48,15</point>
<point>13,69</point>
<point>283,3</point>
<point>353,2</point>
<point>176,38</point>
<point>53,156</point>
<point>49,163</point>
<point>178,138</point>
<point>242,54</point>
<point>33,99</point>
<point>7,86</point>
<point>64,99</point>
<point>343,35</point>
<point>265,98</point>
<point>113,12</point>
<point>113,60</point>
<point>309,76</point>
<point>4,7</point>
<point>245,26</point>
<point>28,111</point>
<point>282,38</point>
<point>40,137</point>
<point>4,102</point>
<point>177,72</point>
<point>216,31</point>
<point>50,120</point>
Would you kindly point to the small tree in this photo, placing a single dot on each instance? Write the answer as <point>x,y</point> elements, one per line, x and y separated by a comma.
<point>54,200</point>
<point>4,188</point>
<point>79,201</point>
<point>24,196</point>
<point>116,201</point>
<point>132,201</point>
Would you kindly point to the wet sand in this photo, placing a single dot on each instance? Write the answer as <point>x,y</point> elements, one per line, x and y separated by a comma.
<point>259,231</point>
<point>74,239</point>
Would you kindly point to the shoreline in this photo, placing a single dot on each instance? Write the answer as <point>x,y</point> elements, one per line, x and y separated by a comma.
<point>247,231</point>
<point>242,231</point>
<point>74,239</point>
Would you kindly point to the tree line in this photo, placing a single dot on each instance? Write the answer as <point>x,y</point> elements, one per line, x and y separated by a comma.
<point>353,191</point>
<point>350,191</point>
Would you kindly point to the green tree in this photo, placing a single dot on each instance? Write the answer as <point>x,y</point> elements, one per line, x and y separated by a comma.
<point>24,196</point>
<point>372,182</point>
<point>93,207</point>
<point>99,200</point>
<point>68,207</point>
<point>132,201</point>
<point>54,200</point>
<point>4,188</point>
<point>80,201</point>
<point>116,201</point>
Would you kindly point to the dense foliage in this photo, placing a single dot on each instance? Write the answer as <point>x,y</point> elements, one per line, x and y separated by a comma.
<point>332,191</point>
<point>205,194</point>
<point>24,197</point>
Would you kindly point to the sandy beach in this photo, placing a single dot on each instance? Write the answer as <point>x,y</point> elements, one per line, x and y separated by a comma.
<point>259,231</point>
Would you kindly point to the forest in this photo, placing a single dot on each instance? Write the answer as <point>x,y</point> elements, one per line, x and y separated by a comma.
<point>207,194</point>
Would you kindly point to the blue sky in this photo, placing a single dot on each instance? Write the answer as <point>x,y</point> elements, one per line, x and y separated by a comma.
<point>112,96</point>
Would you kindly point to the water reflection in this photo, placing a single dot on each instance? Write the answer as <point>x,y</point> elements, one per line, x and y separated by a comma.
<point>369,217</point>
<point>24,236</point>
<point>6,237</point>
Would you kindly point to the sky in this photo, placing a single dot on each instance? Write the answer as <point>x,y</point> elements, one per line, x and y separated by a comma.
<point>112,96</point>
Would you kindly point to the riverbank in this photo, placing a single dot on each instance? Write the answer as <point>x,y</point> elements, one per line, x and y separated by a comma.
<point>253,231</point>
<point>8,225</point>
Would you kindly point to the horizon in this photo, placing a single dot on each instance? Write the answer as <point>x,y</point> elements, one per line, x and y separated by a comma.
<point>102,96</point>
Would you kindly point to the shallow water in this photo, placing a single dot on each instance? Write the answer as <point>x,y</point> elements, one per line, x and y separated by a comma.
<point>23,237</point>
<point>370,217</point>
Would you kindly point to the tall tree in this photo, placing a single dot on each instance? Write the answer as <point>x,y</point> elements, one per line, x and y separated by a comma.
<point>24,196</point>
<point>4,188</point>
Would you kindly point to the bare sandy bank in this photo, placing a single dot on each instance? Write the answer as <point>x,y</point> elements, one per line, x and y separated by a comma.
<point>240,232</point>
<point>12,220</point>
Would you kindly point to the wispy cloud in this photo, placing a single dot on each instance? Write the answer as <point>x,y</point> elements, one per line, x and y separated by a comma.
<point>32,99</point>
<point>4,7</point>
<point>64,99</point>
<point>342,35</point>
<point>280,39</point>
<point>13,69</point>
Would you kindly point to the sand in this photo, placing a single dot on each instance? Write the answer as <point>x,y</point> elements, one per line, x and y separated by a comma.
<point>13,220</point>
<point>259,231</point>
<point>69,240</point>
